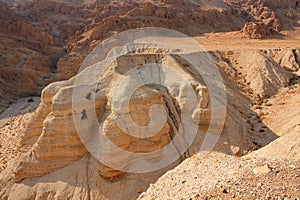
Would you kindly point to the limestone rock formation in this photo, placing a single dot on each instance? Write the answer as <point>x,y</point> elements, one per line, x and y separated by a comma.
<point>60,154</point>
<point>289,60</point>
<point>80,25</point>
<point>26,54</point>
<point>256,30</point>
<point>52,144</point>
<point>52,136</point>
<point>120,16</point>
<point>63,124</point>
<point>61,19</point>
<point>262,13</point>
<point>55,150</point>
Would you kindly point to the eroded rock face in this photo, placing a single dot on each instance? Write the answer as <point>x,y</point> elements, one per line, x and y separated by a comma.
<point>55,149</point>
<point>261,12</point>
<point>53,137</point>
<point>54,143</point>
<point>61,19</point>
<point>289,60</point>
<point>80,25</point>
<point>28,55</point>
<point>282,4</point>
<point>256,30</point>
<point>256,167</point>
<point>116,17</point>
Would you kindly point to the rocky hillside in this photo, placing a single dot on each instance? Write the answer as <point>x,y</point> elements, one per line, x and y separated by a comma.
<point>245,111</point>
<point>77,26</point>
<point>269,173</point>
<point>248,126</point>
<point>28,55</point>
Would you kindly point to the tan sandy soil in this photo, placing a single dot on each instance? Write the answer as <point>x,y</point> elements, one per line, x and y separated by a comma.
<point>282,108</point>
<point>273,172</point>
<point>12,125</point>
<point>234,40</point>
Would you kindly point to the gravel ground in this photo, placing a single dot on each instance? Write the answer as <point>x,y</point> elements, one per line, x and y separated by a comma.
<point>220,176</point>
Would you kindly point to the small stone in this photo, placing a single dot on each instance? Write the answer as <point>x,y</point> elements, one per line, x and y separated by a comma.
<point>235,150</point>
<point>293,166</point>
<point>261,170</point>
<point>140,190</point>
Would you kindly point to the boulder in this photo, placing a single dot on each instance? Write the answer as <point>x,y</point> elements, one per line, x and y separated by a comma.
<point>256,30</point>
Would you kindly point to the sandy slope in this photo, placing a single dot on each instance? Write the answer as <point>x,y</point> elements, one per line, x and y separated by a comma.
<point>12,125</point>
<point>219,176</point>
<point>271,172</point>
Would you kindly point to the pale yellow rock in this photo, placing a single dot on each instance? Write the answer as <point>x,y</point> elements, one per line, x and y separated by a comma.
<point>144,123</point>
<point>288,61</point>
<point>261,170</point>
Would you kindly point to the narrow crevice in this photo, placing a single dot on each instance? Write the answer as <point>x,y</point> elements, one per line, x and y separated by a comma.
<point>296,56</point>
<point>174,119</point>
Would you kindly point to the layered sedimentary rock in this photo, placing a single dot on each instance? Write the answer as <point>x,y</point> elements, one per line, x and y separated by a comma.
<point>80,26</point>
<point>54,136</point>
<point>71,112</point>
<point>57,163</point>
<point>55,139</point>
<point>28,55</point>
<point>256,30</point>
<point>262,13</point>
<point>289,60</point>
<point>120,16</point>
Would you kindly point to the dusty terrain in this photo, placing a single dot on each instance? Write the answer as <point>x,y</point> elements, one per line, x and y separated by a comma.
<point>256,47</point>
<point>219,176</point>
<point>271,172</point>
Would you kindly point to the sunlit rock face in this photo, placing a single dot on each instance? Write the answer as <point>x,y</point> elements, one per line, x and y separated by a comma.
<point>136,105</point>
